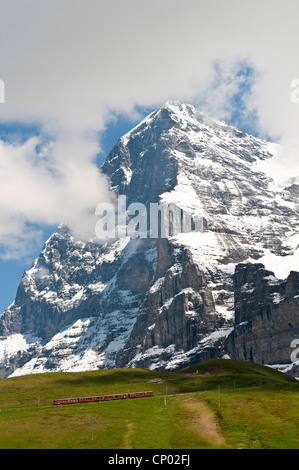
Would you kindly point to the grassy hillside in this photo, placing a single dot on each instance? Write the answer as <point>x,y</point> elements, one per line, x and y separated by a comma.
<point>214,404</point>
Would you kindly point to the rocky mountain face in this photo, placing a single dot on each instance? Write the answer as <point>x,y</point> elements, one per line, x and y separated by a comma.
<point>266,316</point>
<point>164,303</point>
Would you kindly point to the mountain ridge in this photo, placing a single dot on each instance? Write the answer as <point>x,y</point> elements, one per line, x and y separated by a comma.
<point>156,303</point>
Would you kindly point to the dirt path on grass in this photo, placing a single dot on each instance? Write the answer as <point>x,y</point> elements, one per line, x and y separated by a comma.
<point>203,421</point>
<point>128,435</point>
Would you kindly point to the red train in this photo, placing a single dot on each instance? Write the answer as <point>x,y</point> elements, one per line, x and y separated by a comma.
<point>120,396</point>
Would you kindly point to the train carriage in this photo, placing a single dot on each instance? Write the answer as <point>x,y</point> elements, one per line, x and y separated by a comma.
<point>99,398</point>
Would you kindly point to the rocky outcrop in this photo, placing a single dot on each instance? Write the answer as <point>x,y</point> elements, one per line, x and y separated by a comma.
<point>76,297</point>
<point>266,316</point>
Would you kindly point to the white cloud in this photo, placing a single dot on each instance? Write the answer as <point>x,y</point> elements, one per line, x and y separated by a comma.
<point>57,182</point>
<point>68,64</point>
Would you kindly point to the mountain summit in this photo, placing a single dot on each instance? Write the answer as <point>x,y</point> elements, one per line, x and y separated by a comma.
<point>164,303</point>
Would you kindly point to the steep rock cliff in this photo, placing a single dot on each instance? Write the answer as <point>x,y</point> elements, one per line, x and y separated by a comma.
<point>266,316</point>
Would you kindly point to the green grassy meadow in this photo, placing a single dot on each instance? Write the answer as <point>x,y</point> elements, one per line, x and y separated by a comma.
<point>215,404</point>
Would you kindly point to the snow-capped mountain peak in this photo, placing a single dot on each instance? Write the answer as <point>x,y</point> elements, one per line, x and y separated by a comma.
<point>157,303</point>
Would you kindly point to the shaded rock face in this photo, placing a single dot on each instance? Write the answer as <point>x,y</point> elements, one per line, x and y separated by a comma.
<point>178,311</point>
<point>266,315</point>
<point>142,166</point>
<point>166,303</point>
